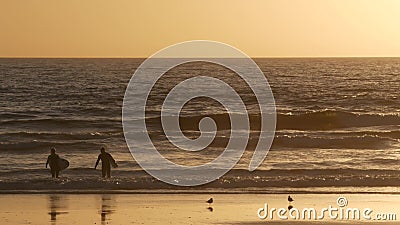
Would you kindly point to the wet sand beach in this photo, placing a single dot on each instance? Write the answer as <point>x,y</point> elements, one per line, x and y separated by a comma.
<point>178,208</point>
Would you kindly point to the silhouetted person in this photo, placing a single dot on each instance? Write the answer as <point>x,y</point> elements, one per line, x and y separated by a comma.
<point>53,160</point>
<point>106,161</point>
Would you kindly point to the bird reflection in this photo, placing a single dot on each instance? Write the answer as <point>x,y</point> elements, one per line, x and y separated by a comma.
<point>57,203</point>
<point>210,209</point>
<point>107,206</point>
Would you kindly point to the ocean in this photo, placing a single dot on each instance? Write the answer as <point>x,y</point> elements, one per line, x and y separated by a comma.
<point>338,125</point>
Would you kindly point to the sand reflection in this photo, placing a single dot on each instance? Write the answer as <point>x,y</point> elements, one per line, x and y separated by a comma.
<point>57,205</point>
<point>107,207</point>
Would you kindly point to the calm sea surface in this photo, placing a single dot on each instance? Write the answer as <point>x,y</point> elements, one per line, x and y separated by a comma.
<point>338,124</point>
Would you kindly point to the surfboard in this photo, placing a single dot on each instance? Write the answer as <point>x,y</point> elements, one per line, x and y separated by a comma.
<point>113,163</point>
<point>63,164</point>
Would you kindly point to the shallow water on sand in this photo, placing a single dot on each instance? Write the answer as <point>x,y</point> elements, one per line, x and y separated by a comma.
<point>177,208</point>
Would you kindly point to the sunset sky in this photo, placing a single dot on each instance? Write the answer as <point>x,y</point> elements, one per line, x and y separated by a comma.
<point>264,28</point>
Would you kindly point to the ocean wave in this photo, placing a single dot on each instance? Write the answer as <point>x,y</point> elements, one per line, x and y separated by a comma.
<point>349,142</point>
<point>92,123</point>
<point>34,146</point>
<point>315,141</point>
<point>393,134</point>
<point>32,135</point>
<point>317,120</point>
<point>333,119</point>
<point>16,116</point>
<point>320,129</point>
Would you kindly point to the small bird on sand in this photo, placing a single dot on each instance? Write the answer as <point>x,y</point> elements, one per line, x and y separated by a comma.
<point>290,199</point>
<point>209,201</point>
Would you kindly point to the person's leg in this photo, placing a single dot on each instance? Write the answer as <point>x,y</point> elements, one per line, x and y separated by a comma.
<point>103,171</point>
<point>108,172</point>
<point>53,173</point>
<point>57,173</point>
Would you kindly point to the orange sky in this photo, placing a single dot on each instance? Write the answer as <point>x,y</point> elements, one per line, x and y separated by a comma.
<point>264,28</point>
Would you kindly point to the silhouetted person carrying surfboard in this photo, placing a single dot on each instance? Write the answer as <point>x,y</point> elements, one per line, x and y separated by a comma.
<point>53,161</point>
<point>106,162</point>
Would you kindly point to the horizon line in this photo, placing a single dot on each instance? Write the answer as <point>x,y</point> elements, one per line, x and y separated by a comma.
<point>123,57</point>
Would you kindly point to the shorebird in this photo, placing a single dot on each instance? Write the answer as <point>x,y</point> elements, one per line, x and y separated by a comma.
<point>290,199</point>
<point>209,201</point>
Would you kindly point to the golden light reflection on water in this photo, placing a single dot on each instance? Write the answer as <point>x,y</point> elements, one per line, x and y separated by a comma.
<point>57,205</point>
<point>108,204</point>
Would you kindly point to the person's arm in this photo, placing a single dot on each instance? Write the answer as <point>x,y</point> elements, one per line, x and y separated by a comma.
<point>97,162</point>
<point>47,162</point>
